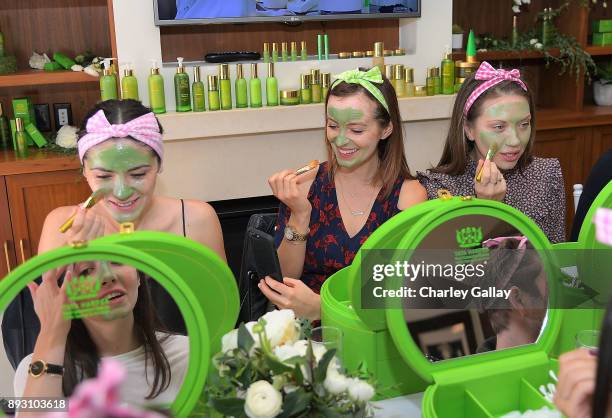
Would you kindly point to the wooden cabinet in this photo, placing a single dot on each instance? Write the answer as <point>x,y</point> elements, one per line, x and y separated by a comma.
<point>6,233</point>
<point>29,190</point>
<point>33,196</point>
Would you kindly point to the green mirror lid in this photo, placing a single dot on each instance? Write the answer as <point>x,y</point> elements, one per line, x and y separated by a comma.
<point>207,275</point>
<point>387,236</point>
<point>183,295</point>
<point>587,232</point>
<point>454,209</point>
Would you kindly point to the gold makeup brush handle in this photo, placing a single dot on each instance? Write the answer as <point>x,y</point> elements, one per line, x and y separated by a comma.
<point>68,224</point>
<point>479,175</point>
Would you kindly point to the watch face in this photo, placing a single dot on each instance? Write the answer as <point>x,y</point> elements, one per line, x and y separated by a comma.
<point>288,233</point>
<point>37,368</point>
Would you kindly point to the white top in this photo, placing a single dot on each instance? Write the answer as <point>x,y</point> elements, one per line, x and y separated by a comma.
<point>135,387</point>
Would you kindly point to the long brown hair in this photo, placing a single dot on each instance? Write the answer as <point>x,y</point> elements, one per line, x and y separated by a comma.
<point>391,155</point>
<point>457,148</point>
<point>81,357</point>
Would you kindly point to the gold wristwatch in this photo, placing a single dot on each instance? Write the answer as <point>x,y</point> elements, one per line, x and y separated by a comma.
<point>291,234</point>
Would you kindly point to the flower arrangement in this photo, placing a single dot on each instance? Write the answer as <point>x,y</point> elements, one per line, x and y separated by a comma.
<point>516,5</point>
<point>265,371</point>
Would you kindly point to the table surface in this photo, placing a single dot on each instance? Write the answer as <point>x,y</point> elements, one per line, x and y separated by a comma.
<point>408,406</point>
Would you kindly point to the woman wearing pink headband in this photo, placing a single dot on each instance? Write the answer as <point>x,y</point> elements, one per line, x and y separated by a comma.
<point>120,147</point>
<point>494,110</point>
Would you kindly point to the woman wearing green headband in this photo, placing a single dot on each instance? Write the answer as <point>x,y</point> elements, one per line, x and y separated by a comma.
<point>327,214</point>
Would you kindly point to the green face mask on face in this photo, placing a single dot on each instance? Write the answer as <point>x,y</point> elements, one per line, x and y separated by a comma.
<point>343,118</point>
<point>514,135</point>
<point>119,159</point>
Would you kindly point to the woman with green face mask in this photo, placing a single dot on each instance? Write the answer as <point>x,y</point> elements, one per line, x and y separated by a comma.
<point>489,151</point>
<point>120,147</point>
<point>326,214</point>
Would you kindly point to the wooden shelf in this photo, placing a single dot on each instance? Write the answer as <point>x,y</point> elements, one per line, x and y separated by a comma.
<point>505,55</point>
<point>39,78</point>
<point>38,161</point>
<point>599,50</point>
<point>562,118</point>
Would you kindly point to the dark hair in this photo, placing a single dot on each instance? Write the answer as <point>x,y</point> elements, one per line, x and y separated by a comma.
<point>393,164</point>
<point>603,382</point>
<point>81,357</point>
<point>522,266</point>
<point>457,148</point>
<point>118,112</point>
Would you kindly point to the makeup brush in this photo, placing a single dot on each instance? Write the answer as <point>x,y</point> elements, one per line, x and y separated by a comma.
<point>91,200</point>
<point>490,154</point>
<point>311,165</point>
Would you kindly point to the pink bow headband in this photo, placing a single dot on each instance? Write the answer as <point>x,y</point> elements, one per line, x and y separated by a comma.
<point>144,129</point>
<point>492,77</point>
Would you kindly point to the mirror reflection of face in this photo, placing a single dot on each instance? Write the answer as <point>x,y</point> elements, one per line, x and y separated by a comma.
<point>127,171</point>
<point>352,130</point>
<point>118,283</point>
<point>506,122</point>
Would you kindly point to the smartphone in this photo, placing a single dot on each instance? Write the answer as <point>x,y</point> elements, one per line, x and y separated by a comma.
<point>264,255</point>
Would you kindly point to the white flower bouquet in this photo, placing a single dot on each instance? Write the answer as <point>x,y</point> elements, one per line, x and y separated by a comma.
<point>265,371</point>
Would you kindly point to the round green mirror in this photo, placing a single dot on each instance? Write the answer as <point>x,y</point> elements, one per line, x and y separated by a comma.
<point>107,306</point>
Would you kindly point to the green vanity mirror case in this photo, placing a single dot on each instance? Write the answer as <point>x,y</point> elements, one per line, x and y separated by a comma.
<point>200,283</point>
<point>378,332</point>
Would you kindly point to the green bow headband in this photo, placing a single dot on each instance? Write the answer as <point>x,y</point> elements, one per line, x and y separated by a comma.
<point>365,79</point>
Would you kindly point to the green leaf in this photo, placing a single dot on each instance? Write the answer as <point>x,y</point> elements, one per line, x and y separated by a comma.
<point>245,340</point>
<point>295,403</point>
<point>321,370</point>
<point>276,365</point>
<point>328,412</point>
<point>299,377</point>
<point>229,406</point>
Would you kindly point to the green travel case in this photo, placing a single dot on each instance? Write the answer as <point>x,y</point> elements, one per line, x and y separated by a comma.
<point>200,283</point>
<point>462,387</point>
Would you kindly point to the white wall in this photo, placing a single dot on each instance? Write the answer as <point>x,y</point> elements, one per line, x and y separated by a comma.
<point>237,166</point>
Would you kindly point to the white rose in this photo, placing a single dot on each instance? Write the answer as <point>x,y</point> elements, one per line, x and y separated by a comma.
<point>539,46</point>
<point>281,327</point>
<point>318,349</point>
<point>229,341</point>
<point>262,400</point>
<point>335,382</point>
<point>526,1</point>
<point>516,9</point>
<point>67,137</point>
<point>285,352</point>
<point>533,41</point>
<point>360,390</point>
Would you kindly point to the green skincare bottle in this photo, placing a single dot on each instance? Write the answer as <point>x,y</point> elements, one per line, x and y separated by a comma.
<point>409,81</point>
<point>398,80</point>
<point>213,93</point>
<point>325,84</point>
<point>284,52</point>
<point>108,82</point>
<point>255,87</point>
<point>448,73</point>
<point>198,92</point>
<point>274,52</point>
<point>433,82</point>
<point>266,52</point>
<point>157,95</point>
<point>315,85</point>
<point>293,51</point>
<point>515,33</point>
<point>181,88</point>
<point>21,140</point>
<point>129,85</point>
<point>304,51</point>
<point>305,93</point>
<point>242,99</point>
<point>271,87</point>
<point>5,131</point>
<point>225,87</point>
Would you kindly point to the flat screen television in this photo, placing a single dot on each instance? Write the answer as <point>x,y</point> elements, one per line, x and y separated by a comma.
<point>189,12</point>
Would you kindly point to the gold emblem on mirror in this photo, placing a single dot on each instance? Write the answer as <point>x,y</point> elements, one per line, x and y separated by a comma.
<point>444,194</point>
<point>466,198</point>
<point>126,228</point>
<point>78,244</point>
